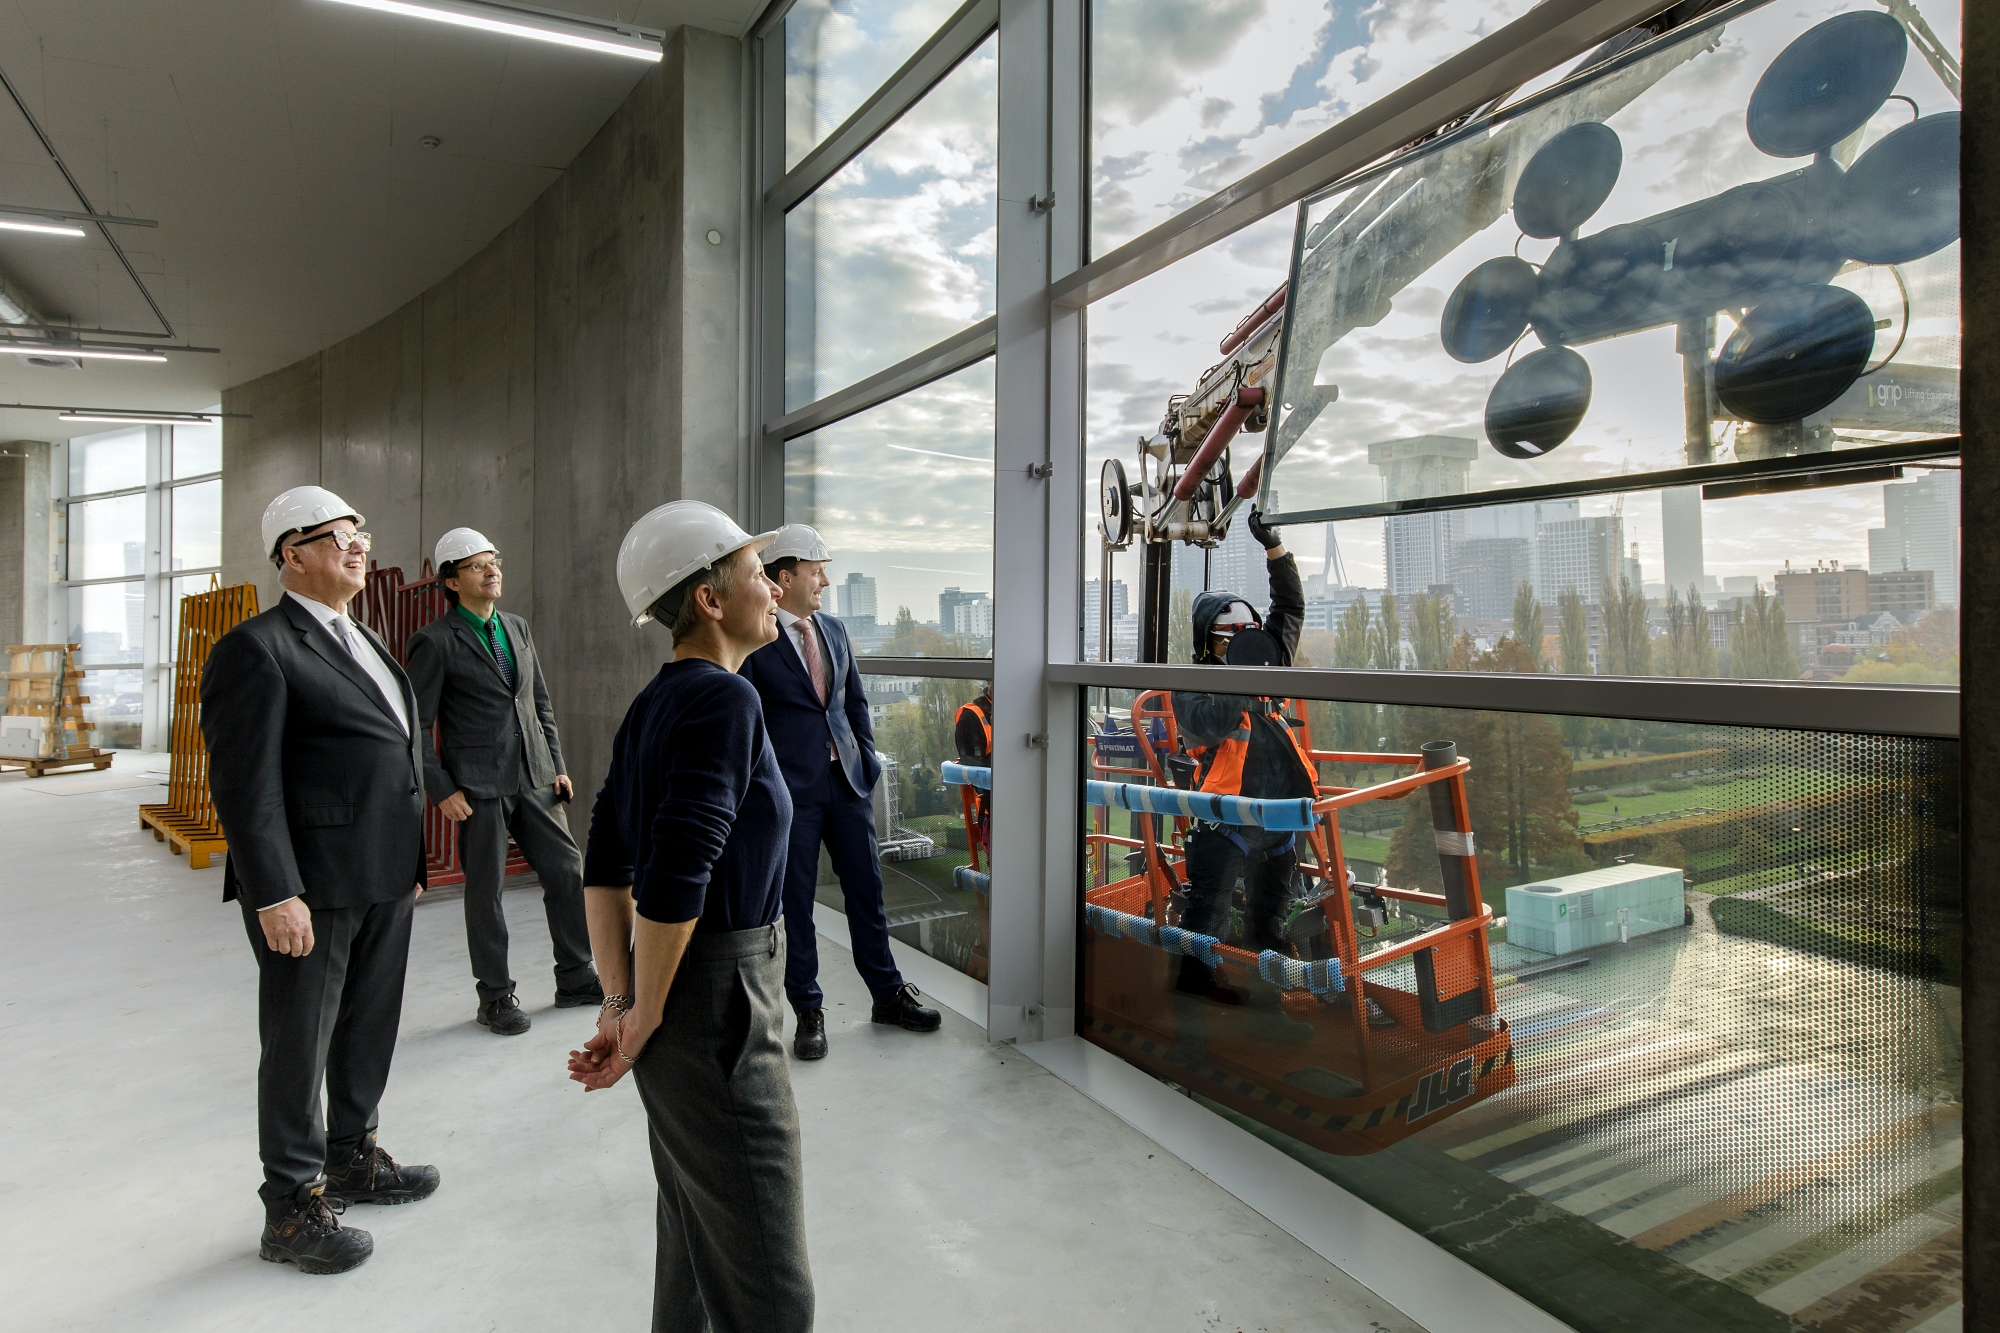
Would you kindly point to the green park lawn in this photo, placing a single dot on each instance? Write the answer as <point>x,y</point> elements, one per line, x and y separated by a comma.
<point>1776,778</point>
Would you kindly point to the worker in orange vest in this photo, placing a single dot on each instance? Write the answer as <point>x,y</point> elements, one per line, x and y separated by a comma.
<point>1242,745</point>
<point>972,733</point>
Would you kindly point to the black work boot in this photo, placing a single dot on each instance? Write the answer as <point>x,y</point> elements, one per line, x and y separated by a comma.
<point>809,1042</point>
<point>306,1233</point>
<point>574,997</point>
<point>372,1176</point>
<point>901,1009</point>
<point>504,1016</point>
<point>1197,979</point>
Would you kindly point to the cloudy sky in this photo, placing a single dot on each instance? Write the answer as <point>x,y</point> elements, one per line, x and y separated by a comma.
<point>896,253</point>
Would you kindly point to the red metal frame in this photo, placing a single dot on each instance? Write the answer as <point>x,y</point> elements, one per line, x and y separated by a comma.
<point>396,610</point>
<point>1130,1003</point>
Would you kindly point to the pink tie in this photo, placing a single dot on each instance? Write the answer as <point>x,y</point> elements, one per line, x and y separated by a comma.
<point>814,667</point>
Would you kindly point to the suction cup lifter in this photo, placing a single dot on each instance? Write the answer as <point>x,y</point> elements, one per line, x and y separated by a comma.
<point>1764,252</point>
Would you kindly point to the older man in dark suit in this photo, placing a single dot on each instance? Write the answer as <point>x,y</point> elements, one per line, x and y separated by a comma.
<point>498,772</point>
<point>317,777</point>
<point>817,716</point>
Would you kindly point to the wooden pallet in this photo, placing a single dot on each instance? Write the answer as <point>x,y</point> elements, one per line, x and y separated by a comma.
<point>44,680</point>
<point>186,821</point>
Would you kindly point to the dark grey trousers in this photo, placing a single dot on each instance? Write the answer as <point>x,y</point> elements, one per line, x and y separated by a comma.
<point>538,826</point>
<point>329,1017</point>
<point>725,1136</point>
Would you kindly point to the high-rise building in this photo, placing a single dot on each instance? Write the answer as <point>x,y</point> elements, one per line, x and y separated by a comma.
<point>1093,610</point>
<point>1924,513</point>
<point>975,617</point>
<point>950,604</point>
<point>857,599</point>
<point>1680,530</point>
<point>1238,565</point>
<point>1487,572</point>
<point>1576,552</point>
<point>1903,593</point>
<point>1418,549</point>
<point>1824,594</point>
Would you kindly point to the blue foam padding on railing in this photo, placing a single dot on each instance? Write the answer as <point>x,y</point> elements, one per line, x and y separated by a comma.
<point>965,775</point>
<point>967,880</point>
<point>1322,977</point>
<point>1245,811</point>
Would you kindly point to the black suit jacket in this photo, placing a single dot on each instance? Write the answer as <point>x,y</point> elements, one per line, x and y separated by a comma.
<point>800,725</point>
<point>319,790</point>
<point>487,732</point>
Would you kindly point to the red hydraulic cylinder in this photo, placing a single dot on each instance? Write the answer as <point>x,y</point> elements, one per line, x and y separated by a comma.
<point>1241,404</point>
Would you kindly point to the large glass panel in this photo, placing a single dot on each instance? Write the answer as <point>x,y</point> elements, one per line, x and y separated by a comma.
<point>838,52</point>
<point>903,494</point>
<point>1655,1024</point>
<point>1720,261</point>
<point>1191,95</point>
<point>197,449</point>
<point>107,537</point>
<point>109,620</point>
<point>935,857</point>
<point>111,462</point>
<point>116,707</point>
<point>896,251</point>
<point>197,518</point>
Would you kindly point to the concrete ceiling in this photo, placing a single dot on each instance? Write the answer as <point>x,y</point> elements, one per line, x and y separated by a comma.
<point>278,144</point>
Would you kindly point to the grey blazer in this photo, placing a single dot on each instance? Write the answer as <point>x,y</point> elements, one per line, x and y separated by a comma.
<point>314,779</point>
<point>489,736</point>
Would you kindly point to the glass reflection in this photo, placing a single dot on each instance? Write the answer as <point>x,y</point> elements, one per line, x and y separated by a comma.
<point>934,878</point>
<point>197,449</point>
<point>903,495</point>
<point>1676,1003</point>
<point>109,620</point>
<point>107,537</point>
<point>197,519</point>
<point>110,462</point>
<point>895,252</point>
<point>115,707</point>
<point>838,52</point>
<point>1700,242</point>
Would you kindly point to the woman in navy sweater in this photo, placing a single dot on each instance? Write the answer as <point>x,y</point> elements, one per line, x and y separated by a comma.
<point>685,874</point>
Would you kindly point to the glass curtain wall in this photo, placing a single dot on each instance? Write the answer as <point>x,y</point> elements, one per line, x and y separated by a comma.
<point>129,496</point>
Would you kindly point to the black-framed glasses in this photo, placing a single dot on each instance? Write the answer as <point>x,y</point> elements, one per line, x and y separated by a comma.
<point>342,539</point>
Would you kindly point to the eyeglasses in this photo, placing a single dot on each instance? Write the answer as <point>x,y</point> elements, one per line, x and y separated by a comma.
<point>477,567</point>
<point>342,539</point>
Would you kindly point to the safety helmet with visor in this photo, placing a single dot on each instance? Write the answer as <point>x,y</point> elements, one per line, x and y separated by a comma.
<point>667,547</point>
<point>301,509</point>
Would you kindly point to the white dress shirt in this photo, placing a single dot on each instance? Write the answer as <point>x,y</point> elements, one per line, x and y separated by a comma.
<point>365,655</point>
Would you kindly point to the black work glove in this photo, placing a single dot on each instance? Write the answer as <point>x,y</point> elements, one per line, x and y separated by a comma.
<point>1267,537</point>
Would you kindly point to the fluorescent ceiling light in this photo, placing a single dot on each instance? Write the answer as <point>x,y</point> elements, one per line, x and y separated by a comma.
<point>139,418</point>
<point>79,350</point>
<point>540,26</point>
<point>46,228</point>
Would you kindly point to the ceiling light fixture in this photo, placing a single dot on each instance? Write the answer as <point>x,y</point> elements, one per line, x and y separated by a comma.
<point>542,25</point>
<point>140,418</point>
<point>92,350</point>
<point>45,228</point>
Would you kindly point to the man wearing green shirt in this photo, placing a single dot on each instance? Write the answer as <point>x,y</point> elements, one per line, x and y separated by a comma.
<point>497,772</point>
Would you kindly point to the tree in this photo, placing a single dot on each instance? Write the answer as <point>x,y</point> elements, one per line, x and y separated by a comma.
<point>914,640</point>
<point>1350,636</point>
<point>1690,648</point>
<point>1573,633</point>
<point>1760,648</point>
<point>1528,622</point>
<point>1385,641</point>
<point>1628,649</point>
<point>1180,627</point>
<point>1431,626</point>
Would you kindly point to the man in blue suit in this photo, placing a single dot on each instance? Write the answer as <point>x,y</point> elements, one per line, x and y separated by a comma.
<point>816,714</point>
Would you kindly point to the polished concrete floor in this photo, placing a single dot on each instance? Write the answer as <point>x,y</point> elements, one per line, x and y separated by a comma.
<point>950,1184</point>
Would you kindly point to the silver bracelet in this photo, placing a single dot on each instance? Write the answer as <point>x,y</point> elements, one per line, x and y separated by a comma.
<point>622,1003</point>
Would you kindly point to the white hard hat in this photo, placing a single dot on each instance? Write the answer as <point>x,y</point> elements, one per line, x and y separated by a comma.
<point>670,544</point>
<point>460,543</point>
<point>800,541</point>
<point>299,508</point>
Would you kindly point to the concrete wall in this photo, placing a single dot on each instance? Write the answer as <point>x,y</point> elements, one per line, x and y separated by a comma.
<point>26,547</point>
<point>578,371</point>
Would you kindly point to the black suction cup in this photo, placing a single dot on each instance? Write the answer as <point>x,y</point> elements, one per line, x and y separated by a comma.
<point>1538,403</point>
<point>1794,354</point>
<point>1567,180</point>
<point>1604,281</point>
<point>1900,201</point>
<point>1741,241</point>
<point>1488,309</point>
<point>1252,647</point>
<point>1825,86</point>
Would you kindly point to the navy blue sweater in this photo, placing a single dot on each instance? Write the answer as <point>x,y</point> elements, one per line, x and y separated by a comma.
<point>694,813</point>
